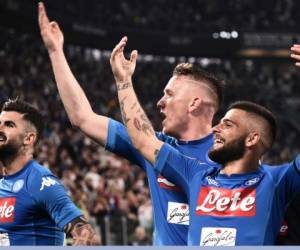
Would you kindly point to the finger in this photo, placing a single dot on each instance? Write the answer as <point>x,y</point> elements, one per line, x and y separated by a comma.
<point>55,26</point>
<point>119,48</point>
<point>297,57</point>
<point>133,56</point>
<point>297,64</point>
<point>295,49</point>
<point>296,45</point>
<point>43,18</point>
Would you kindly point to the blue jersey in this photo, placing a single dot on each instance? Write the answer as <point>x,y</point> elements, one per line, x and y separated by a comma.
<point>34,207</point>
<point>170,206</point>
<point>289,233</point>
<point>241,209</point>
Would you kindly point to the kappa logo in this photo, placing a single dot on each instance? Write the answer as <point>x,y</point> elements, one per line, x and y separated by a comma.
<point>222,202</point>
<point>164,183</point>
<point>252,181</point>
<point>47,182</point>
<point>211,181</point>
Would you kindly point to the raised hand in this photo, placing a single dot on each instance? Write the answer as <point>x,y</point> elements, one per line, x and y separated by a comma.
<point>122,68</point>
<point>296,54</point>
<point>52,36</point>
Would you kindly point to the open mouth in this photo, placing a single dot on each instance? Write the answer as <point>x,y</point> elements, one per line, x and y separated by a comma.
<point>2,138</point>
<point>163,117</point>
<point>218,141</point>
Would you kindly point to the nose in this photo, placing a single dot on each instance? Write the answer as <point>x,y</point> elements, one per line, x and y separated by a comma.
<point>217,128</point>
<point>161,103</point>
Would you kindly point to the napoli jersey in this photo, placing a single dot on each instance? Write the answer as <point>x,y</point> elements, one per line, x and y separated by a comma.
<point>289,233</point>
<point>241,209</point>
<point>34,207</point>
<point>170,205</point>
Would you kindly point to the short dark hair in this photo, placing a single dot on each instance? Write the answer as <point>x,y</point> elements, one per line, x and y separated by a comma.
<point>197,73</point>
<point>31,114</point>
<point>261,111</point>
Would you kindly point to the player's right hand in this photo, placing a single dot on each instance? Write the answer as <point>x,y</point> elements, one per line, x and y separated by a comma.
<point>296,54</point>
<point>52,35</point>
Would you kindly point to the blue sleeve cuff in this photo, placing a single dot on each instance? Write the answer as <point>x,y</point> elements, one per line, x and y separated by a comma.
<point>71,216</point>
<point>162,157</point>
<point>111,135</point>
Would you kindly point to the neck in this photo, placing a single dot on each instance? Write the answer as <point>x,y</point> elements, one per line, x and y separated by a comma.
<point>247,164</point>
<point>15,164</point>
<point>196,129</point>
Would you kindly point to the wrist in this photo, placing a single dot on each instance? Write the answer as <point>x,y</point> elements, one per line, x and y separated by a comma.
<point>55,52</point>
<point>125,84</point>
<point>123,80</point>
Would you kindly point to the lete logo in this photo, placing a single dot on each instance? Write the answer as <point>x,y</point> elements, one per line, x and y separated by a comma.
<point>7,207</point>
<point>47,182</point>
<point>226,202</point>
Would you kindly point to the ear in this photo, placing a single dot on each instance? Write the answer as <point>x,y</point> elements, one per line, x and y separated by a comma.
<point>30,138</point>
<point>195,104</point>
<point>252,139</point>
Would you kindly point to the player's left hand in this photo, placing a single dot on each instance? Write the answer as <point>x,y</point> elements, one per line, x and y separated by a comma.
<point>85,236</point>
<point>122,68</point>
<point>296,54</point>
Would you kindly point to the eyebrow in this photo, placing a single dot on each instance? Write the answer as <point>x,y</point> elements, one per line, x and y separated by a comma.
<point>228,120</point>
<point>9,122</point>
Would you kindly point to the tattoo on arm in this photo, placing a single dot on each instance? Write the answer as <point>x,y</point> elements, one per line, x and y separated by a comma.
<point>125,118</point>
<point>133,106</point>
<point>140,125</point>
<point>82,232</point>
<point>121,86</point>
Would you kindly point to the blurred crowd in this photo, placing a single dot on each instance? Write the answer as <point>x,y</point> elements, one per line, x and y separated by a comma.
<point>187,15</point>
<point>112,193</point>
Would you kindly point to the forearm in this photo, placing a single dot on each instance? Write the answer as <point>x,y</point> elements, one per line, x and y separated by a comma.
<point>72,95</point>
<point>138,125</point>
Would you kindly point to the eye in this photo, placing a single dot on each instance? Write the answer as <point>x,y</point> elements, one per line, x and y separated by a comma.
<point>9,124</point>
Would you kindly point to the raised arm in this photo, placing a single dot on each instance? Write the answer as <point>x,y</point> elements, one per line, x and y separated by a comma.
<point>74,99</point>
<point>138,125</point>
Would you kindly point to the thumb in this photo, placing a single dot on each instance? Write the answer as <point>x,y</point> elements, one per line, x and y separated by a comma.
<point>133,56</point>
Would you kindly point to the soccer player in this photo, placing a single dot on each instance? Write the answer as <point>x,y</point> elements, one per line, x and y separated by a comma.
<point>34,207</point>
<point>240,203</point>
<point>191,97</point>
<point>290,231</point>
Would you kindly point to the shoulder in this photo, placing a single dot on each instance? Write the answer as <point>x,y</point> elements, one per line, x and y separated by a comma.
<point>38,169</point>
<point>39,176</point>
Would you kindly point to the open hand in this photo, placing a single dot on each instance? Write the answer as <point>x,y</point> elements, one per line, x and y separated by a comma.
<point>122,68</point>
<point>52,36</point>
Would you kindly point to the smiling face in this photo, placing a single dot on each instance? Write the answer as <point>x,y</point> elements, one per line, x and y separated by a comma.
<point>174,105</point>
<point>230,137</point>
<point>12,133</point>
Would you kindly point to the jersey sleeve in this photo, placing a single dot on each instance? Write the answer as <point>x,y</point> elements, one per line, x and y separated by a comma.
<point>50,195</point>
<point>289,179</point>
<point>119,142</point>
<point>177,167</point>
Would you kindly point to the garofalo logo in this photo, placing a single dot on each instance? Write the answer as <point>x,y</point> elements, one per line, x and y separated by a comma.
<point>226,202</point>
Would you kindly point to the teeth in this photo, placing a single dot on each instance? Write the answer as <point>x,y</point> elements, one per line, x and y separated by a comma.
<point>218,140</point>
